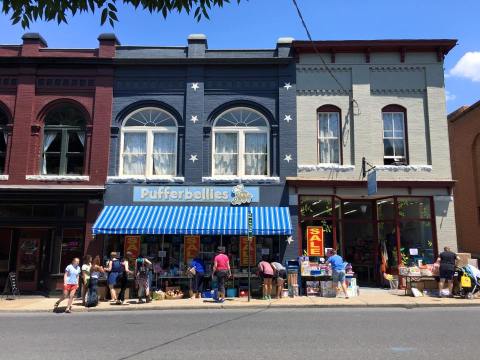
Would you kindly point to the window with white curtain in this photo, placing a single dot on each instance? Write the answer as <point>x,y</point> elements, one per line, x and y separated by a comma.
<point>149,143</point>
<point>64,141</point>
<point>394,143</point>
<point>240,143</point>
<point>329,137</point>
<point>3,141</point>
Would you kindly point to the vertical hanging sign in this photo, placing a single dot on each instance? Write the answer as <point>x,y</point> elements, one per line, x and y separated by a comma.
<point>315,241</point>
<point>244,251</point>
<point>132,245</point>
<point>191,247</point>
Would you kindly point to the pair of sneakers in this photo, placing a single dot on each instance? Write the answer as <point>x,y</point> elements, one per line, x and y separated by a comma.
<point>268,297</point>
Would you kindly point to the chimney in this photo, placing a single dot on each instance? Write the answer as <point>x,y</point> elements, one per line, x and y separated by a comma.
<point>107,45</point>
<point>32,42</point>
<point>284,45</point>
<point>197,45</point>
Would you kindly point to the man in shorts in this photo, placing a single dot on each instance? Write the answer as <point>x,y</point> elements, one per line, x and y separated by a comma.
<point>447,261</point>
<point>338,272</point>
<point>70,284</point>
<point>279,277</point>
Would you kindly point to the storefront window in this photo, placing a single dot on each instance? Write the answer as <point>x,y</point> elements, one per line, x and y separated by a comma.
<point>76,210</point>
<point>357,210</point>
<point>386,209</point>
<point>388,244</point>
<point>72,246</point>
<point>416,241</point>
<point>315,206</point>
<point>328,232</point>
<point>414,208</point>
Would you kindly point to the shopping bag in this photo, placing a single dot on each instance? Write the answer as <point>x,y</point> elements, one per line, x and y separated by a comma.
<point>466,281</point>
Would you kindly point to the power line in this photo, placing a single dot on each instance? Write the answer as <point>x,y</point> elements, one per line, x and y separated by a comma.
<point>315,47</point>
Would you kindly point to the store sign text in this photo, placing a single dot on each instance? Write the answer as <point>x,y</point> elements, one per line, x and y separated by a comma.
<point>315,241</point>
<point>132,245</point>
<point>244,251</point>
<point>194,194</point>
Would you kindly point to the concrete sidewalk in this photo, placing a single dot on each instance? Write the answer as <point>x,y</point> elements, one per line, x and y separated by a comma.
<point>367,298</point>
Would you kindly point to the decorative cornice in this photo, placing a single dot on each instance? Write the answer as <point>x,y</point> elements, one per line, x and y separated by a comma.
<point>3,177</point>
<point>56,178</point>
<point>325,92</point>
<point>404,168</point>
<point>325,167</point>
<point>145,179</point>
<point>396,68</point>
<point>241,179</point>
<point>317,68</point>
<point>65,83</point>
<point>396,91</point>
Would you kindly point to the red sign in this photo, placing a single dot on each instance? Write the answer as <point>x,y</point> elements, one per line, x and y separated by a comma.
<point>315,241</point>
<point>132,245</point>
<point>191,247</point>
<point>244,251</point>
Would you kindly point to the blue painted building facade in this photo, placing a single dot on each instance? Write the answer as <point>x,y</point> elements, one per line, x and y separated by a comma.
<point>216,119</point>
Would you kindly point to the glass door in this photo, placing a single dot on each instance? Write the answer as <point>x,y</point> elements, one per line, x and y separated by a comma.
<point>29,245</point>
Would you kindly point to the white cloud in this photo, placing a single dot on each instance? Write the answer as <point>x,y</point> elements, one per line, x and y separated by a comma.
<point>468,66</point>
<point>450,96</point>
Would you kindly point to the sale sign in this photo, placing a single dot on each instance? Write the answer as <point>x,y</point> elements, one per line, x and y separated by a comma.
<point>244,251</point>
<point>191,247</point>
<point>132,245</point>
<point>315,241</point>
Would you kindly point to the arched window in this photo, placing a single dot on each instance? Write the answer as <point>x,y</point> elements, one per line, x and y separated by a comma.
<point>3,140</point>
<point>240,143</point>
<point>64,141</point>
<point>149,143</point>
<point>394,135</point>
<point>329,135</point>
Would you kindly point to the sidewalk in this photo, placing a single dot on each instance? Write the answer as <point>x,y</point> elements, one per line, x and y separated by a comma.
<point>367,298</point>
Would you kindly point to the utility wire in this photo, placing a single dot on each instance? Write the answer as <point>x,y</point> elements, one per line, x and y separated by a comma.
<point>315,47</point>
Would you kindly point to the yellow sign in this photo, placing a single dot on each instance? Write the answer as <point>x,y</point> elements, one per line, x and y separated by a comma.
<point>244,251</point>
<point>315,241</point>
<point>132,245</point>
<point>191,247</point>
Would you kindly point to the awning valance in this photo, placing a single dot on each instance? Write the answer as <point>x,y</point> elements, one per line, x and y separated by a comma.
<point>200,220</point>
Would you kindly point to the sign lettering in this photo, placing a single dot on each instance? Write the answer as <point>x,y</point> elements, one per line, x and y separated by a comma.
<point>315,241</point>
<point>132,245</point>
<point>244,251</point>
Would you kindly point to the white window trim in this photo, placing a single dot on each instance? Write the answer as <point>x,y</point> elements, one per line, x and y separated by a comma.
<point>395,158</point>
<point>320,138</point>
<point>240,131</point>
<point>150,132</point>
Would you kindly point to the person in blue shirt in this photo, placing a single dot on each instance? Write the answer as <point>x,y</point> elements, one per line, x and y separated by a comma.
<point>197,269</point>
<point>338,271</point>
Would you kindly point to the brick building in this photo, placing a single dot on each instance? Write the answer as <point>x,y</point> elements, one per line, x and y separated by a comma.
<point>464,132</point>
<point>384,104</point>
<point>55,111</point>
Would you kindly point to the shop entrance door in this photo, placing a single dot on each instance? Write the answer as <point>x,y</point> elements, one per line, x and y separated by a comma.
<point>28,262</point>
<point>360,242</point>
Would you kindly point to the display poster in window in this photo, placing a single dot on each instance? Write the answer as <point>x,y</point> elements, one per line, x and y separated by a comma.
<point>191,247</point>
<point>132,245</point>
<point>315,241</point>
<point>244,251</point>
<point>28,252</point>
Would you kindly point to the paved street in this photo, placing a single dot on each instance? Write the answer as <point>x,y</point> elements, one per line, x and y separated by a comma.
<point>440,333</point>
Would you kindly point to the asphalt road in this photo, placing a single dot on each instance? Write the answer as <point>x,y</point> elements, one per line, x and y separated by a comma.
<point>441,333</point>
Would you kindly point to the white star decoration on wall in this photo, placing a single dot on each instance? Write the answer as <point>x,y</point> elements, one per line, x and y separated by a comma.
<point>194,119</point>
<point>290,240</point>
<point>193,158</point>
<point>288,158</point>
<point>287,86</point>
<point>288,118</point>
<point>195,86</point>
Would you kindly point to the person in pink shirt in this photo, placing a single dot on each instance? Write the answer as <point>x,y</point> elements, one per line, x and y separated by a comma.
<point>221,269</point>
<point>266,272</point>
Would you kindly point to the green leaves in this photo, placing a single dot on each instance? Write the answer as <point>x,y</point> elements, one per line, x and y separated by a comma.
<point>26,11</point>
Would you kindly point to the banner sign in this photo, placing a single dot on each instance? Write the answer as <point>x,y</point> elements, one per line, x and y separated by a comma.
<point>244,251</point>
<point>222,194</point>
<point>191,247</point>
<point>315,241</point>
<point>132,245</point>
<point>372,183</point>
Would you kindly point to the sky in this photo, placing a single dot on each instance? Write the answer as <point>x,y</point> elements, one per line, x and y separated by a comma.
<point>258,24</point>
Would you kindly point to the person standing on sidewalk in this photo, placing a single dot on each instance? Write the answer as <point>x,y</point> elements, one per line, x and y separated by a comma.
<point>447,261</point>
<point>279,277</point>
<point>338,272</point>
<point>95,270</point>
<point>142,266</point>
<point>70,284</point>
<point>114,270</point>
<point>123,278</point>
<point>87,264</point>
<point>266,272</point>
<point>221,269</point>
<point>197,269</point>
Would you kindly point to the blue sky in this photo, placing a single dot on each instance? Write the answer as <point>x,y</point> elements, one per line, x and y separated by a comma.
<point>258,23</point>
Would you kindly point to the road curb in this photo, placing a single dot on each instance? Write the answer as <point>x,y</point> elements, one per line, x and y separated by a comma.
<point>246,307</point>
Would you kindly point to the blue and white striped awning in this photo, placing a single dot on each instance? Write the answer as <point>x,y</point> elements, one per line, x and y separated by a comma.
<point>192,220</point>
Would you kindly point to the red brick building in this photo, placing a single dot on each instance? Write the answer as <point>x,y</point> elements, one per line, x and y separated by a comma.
<point>55,114</point>
<point>464,133</point>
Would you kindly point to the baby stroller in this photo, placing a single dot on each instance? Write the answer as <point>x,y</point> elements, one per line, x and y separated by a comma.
<point>472,273</point>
